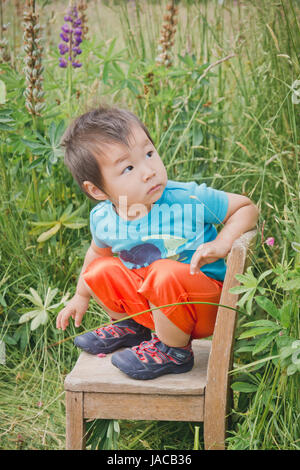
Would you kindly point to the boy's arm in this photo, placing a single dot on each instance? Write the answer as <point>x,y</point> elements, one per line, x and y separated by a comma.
<point>92,253</point>
<point>241,216</point>
<point>78,305</point>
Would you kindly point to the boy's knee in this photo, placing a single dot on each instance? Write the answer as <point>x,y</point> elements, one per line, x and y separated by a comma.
<point>161,271</point>
<point>107,266</point>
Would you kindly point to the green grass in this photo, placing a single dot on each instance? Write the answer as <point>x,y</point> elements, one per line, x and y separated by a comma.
<point>236,129</point>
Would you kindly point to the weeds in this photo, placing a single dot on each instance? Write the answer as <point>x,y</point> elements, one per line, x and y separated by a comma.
<point>224,112</point>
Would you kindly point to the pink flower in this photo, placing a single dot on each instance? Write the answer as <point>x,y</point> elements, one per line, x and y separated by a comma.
<point>39,404</point>
<point>270,241</point>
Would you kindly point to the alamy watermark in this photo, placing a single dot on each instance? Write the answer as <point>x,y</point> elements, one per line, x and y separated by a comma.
<point>167,220</point>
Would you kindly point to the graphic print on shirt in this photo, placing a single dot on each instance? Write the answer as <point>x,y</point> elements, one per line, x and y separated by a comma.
<point>146,253</point>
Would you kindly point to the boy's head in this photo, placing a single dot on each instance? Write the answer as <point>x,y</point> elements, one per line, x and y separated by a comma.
<point>94,143</point>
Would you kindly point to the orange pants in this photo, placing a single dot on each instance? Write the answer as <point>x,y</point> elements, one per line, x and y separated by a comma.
<point>163,282</point>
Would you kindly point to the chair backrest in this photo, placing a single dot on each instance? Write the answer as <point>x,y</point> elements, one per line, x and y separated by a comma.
<point>220,360</point>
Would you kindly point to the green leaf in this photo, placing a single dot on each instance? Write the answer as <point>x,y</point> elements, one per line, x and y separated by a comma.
<point>292,284</point>
<point>37,299</point>
<point>286,313</point>
<point>244,387</point>
<point>261,323</point>
<point>116,426</point>
<point>268,306</point>
<point>6,127</point>
<point>36,162</point>
<point>69,216</point>
<point>59,131</point>
<point>29,316</point>
<point>263,275</point>
<point>249,304</point>
<point>76,225</point>
<point>187,60</point>
<point>46,235</point>
<point>291,369</point>
<point>43,223</point>
<point>24,337</point>
<point>66,213</point>
<point>51,131</point>
<point>258,331</point>
<point>40,319</point>
<point>197,135</point>
<point>51,293</point>
<point>32,144</point>
<point>2,92</point>
<point>249,286</point>
<point>2,301</point>
<point>238,290</point>
<point>264,342</point>
<point>105,73</point>
<point>8,340</point>
<point>245,297</point>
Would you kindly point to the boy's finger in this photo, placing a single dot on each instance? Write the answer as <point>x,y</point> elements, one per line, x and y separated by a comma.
<point>78,318</point>
<point>65,320</point>
<point>194,268</point>
<point>58,320</point>
<point>195,262</point>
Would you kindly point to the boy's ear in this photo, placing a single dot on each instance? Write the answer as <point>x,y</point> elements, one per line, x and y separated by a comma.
<point>93,191</point>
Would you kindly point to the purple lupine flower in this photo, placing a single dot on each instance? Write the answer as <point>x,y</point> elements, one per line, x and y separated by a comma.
<point>76,50</point>
<point>62,62</point>
<point>65,28</point>
<point>71,37</point>
<point>63,48</point>
<point>64,37</point>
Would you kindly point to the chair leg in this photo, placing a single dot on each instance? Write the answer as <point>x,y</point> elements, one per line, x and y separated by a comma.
<point>75,425</point>
<point>216,420</point>
<point>214,432</point>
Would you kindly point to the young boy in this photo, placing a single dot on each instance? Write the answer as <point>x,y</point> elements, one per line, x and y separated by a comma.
<point>153,244</point>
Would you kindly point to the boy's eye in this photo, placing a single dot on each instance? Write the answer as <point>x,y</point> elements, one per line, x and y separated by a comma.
<point>124,171</point>
<point>130,166</point>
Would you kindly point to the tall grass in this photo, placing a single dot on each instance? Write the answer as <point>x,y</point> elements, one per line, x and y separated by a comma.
<point>235,129</point>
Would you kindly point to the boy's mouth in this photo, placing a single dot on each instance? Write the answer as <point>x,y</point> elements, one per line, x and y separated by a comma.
<point>157,187</point>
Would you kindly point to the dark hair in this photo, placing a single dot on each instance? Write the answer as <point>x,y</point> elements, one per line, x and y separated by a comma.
<point>83,138</point>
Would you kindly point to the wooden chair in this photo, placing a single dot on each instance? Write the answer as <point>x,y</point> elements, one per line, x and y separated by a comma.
<point>96,389</point>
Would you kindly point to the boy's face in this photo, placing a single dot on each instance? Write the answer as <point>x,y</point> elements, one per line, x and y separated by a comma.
<point>130,174</point>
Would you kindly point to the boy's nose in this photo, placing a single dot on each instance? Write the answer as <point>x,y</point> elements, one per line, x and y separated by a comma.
<point>148,173</point>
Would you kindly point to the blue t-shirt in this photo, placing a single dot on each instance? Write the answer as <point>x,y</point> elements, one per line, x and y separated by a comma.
<point>180,220</point>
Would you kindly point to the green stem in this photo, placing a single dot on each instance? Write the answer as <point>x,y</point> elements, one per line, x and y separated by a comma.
<point>5,173</point>
<point>196,438</point>
<point>140,313</point>
<point>267,406</point>
<point>69,84</point>
<point>269,259</point>
<point>136,440</point>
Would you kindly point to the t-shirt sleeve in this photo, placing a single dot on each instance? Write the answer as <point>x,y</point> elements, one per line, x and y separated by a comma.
<point>93,226</point>
<point>215,203</point>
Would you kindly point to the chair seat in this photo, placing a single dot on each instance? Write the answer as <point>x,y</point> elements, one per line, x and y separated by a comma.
<point>94,374</point>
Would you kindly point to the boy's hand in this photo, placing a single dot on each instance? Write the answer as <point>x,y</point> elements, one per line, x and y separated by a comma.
<point>208,253</point>
<point>76,308</point>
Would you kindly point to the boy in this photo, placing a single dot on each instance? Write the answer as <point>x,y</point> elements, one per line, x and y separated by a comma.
<point>163,233</point>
